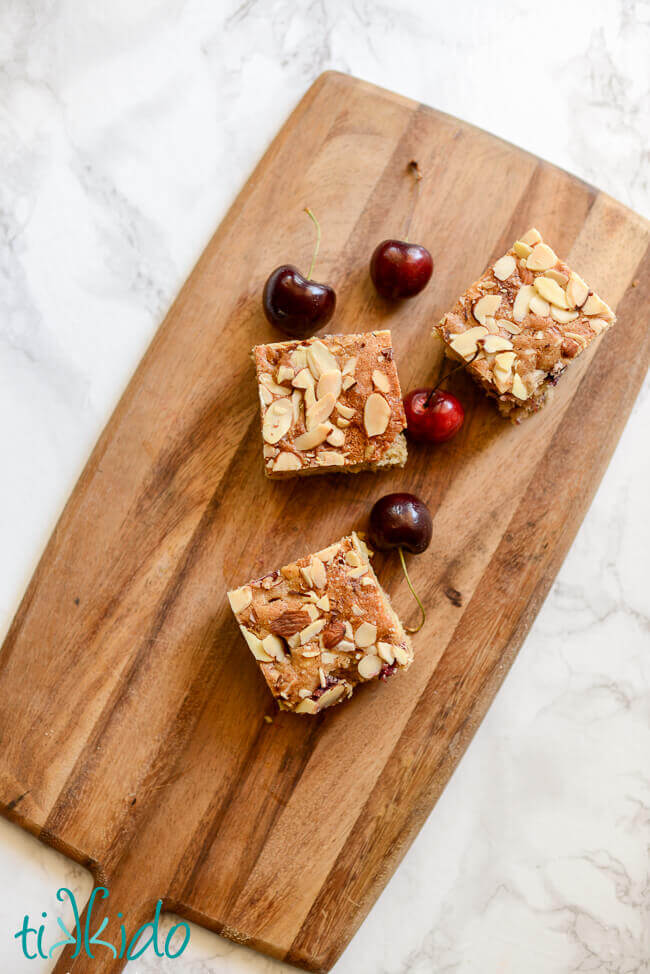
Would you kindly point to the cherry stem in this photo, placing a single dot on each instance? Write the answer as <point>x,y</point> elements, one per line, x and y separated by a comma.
<point>413,593</point>
<point>317,225</point>
<point>457,368</point>
<point>414,170</point>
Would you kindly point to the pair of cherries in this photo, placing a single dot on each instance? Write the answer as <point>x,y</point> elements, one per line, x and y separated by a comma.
<point>299,306</point>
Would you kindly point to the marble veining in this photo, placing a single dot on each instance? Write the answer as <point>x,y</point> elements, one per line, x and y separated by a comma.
<point>125,131</point>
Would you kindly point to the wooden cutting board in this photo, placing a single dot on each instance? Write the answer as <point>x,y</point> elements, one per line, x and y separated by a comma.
<point>132,732</point>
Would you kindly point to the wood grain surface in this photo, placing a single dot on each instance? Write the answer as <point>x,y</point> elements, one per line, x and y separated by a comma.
<point>132,732</point>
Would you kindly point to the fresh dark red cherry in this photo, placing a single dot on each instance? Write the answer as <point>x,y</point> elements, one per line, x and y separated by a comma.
<point>399,269</point>
<point>401,521</point>
<point>294,303</point>
<point>433,415</point>
<point>404,522</point>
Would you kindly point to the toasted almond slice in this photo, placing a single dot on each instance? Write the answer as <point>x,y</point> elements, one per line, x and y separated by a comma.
<point>266,396</point>
<point>522,249</point>
<point>317,571</point>
<point>385,650</point>
<point>240,598</point>
<point>518,388</point>
<point>401,656</point>
<point>376,414</point>
<point>532,237</point>
<point>539,306</point>
<point>596,306</point>
<point>346,411</point>
<point>522,302</point>
<point>311,609</point>
<point>287,461</point>
<point>365,635</point>
<point>486,306</point>
<point>277,420</point>
<point>562,315</point>
<point>309,397</point>
<point>308,706</point>
<point>304,571</point>
<point>284,373</point>
<point>345,646</point>
<point>464,344</point>
<point>303,380</point>
<point>350,365</point>
<point>342,423</point>
<point>336,437</point>
<point>273,646</point>
<point>577,291</point>
<point>269,451</point>
<point>542,258</point>
<point>298,358</point>
<point>558,276</point>
<point>314,437</point>
<point>494,343</point>
<point>320,359</point>
<point>508,326</point>
<point>504,267</point>
<point>296,402</point>
<point>358,572</point>
<point>330,458</point>
<point>256,647</point>
<point>550,291</point>
<point>504,361</point>
<point>348,382</point>
<point>353,558</point>
<point>308,633</point>
<point>369,667</point>
<point>327,554</point>
<point>320,411</point>
<point>598,325</point>
<point>380,381</point>
<point>324,603</point>
<point>267,381</point>
<point>329,382</point>
<point>331,696</point>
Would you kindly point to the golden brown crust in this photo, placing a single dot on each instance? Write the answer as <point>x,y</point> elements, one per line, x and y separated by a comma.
<point>528,316</point>
<point>320,626</point>
<point>329,404</point>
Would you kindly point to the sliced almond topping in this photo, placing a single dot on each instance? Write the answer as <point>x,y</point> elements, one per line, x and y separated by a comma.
<point>332,696</point>
<point>311,610</point>
<point>348,630</point>
<point>308,706</point>
<point>521,248</point>
<point>345,646</point>
<point>308,633</point>
<point>542,258</point>
<point>320,359</point>
<point>494,343</point>
<point>385,650</point>
<point>342,423</point>
<point>598,324</point>
<point>358,572</point>
<point>532,237</point>
<point>348,382</point>
<point>350,365</point>
<point>346,411</point>
<point>320,411</point>
<point>562,315</point>
<point>329,382</point>
<point>287,461</point>
<point>518,388</point>
<point>298,358</point>
<point>551,291</point>
<point>267,381</point>
<point>309,397</point>
<point>289,623</point>
<point>504,361</point>
<point>277,420</point>
<point>522,302</point>
<point>330,458</point>
<point>369,667</point>
<point>317,571</point>
<point>324,603</point>
<point>577,291</point>
<point>256,647</point>
<point>328,553</point>
<point>273,646</point>
<point>313,438</point>
<point>558,276</point>
<point>376,414</point>
<point>365,635</point>
<point>284,373</point>
<point>306,574</point>
<point>504,267</point>
<point>508,326</point>
<point>464,344</point>
<point>240,598</point>
<point>353,558</point>
<point>401,656</point>
<point>296,402</point>
<point>269,451</point>
<point>539,306</point>
<point>304,380</point>
<point>336,438</point>
<point>486,306</point>
<point>596,306</point>
<point>380,381</point>
<point>266,396</point>
<point>327,659</point>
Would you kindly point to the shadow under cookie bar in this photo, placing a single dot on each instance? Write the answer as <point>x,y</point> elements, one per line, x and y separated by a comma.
<point>521,324</point>
<point>320,626</point>
<point>330,405</point>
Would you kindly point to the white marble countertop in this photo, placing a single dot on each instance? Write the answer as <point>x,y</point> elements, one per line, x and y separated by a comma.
<point>126,128</point>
